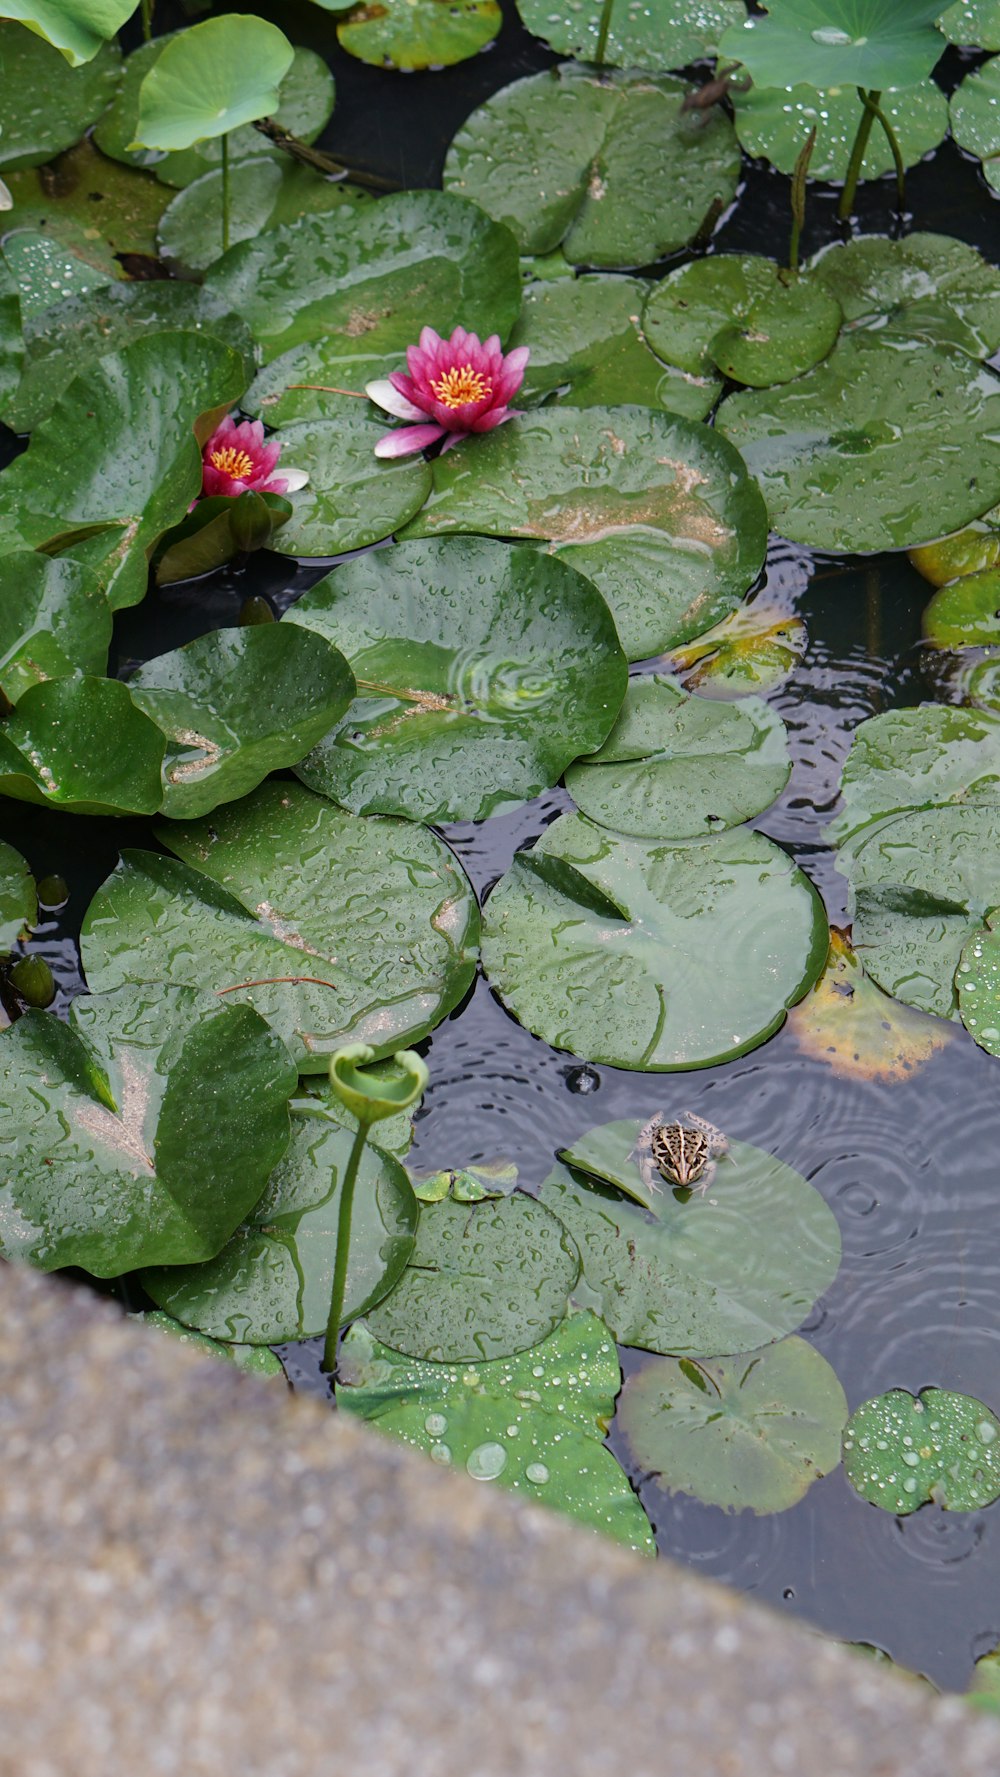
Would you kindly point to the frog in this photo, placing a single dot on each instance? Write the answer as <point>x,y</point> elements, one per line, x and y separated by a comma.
<point>684,1152</point>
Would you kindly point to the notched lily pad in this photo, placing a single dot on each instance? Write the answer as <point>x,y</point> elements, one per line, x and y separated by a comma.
<point>847,1023</point>
<point>737,313</point>
<point>901,1451</point>
<point>927,289</point>
<point>411,34</point>
<point>263,194</point>
<point>775,122</point>
<point>54,621</point>
<point>255,1360</point>
<point>643,33</point>
<point>352,499</point>
<point>80,744</point>
<point>915,758</point>
<point>966,612</point>
<point>974,123</point>
<point>968,551</point>
<point>977,983</point>
<point>45,104</point>
<point>975,23</point>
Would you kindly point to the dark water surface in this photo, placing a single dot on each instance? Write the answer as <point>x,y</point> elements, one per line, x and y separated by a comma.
<point>911,1170</point>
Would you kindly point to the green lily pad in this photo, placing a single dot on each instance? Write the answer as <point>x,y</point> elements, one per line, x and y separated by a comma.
<point>482,671</point>
<point>915,758</point>
<point>680,767</point>
<point>588,348</point>
<point>65,339</point>
<point>774,123</point>
<point>984,1689</point>
<point>412,34</point>
<point>844,455</point>
<point>256,1360</point>
<point>604,163</point>
<point>18,901</point>
<point>846,1023</point>
<point>966,613</point>
<point>972,22</point>
<point>968,551</point>
<point>216,530</point>
<point>80,744</point>
<point>534,1423</point>
<point>686,1273</point>
<point>110,1160</point>
<point>745,1433</point>
<point>922,884</point>
<point>54,620</point>
<point>733,314</point>
<point>235,704</point>
<point>352,498</point>
<point>471,1185</point>
<point>873,43</point>
<point>373,920</point>
<point>974,118</point>
<point>42,271</point>
<point>117,461</point>
<point>926,289</point>
<point>977,983</point>
<point>45,104</point>
<point>210,79</point>
<point>752,650</point>
<point>356,287</point>
<point>79,28</point>
<point>263,194</point>
<point>11,338</point>
<point>272,1280</point>
<point>901,1451</point>
<point>660,34</point>
<point>485,1280</point>
<point>657,511</point>
<point>61,207</point>
<point>652,955</point>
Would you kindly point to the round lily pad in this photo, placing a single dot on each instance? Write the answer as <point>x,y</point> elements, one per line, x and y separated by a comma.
<point>652,955</point>
<point>54,621</point>
<point>588,348</point>
<point>272,1280</point>
<point>965,614</point>
<point>485,1280</point>
<point>901,1451</point>
<point>129,206</point>
<point>975,23</point>
<point>110,1160</point>
<point>256,1360</point>
<point>916,758</point>
<point>872,43</point>
<point>235,704</point>
<point>482,672</point>
<point>734,314</point>
<point>643,33</point>
<point>926,288</point>
<point>845,455</point>
<point>975,118</point>
<point>534,1424</point>
<point>337,928</point>
<point>80,744</point>
<point>18,901</point>
<point>411,34</point>
<point>263,194</point>
<point>977,983</point>
<point>680,767</point>
<point>850,1026</point>
<point>604,163</point>
<point>745,1433</point>
<point>968,551</point>
<point>45,103</point>
<point>210,79</point>
<point>657,511</point>
<point>352,498</point>
<point>774,123</point>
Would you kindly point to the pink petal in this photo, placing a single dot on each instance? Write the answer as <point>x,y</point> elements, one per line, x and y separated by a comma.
<point>430,342</point>
<point>495,417</point>
<point>406,439</point>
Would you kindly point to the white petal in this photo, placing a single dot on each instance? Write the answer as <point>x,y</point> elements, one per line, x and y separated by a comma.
<point>293,478</point>
<point>391,401</point>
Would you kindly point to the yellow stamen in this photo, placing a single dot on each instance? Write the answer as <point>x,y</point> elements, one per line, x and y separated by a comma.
<point>456,387</point>
<point>232,462</point>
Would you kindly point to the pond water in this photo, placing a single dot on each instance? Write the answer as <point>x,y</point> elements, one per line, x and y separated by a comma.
<point>909,1168</point>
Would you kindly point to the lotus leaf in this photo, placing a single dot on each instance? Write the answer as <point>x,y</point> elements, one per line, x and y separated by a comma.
<point>871,43</point>
<point>844,455</point>
<point>351,499</point>
<point>775,123</point>
<point>915,758</point>
<point>77,251</point>
<point>972,22</point>
<point>272,1280</point>
<point>18,901</point>
<point>256,1360</point>
<point>733,313</point>
<point>652,955</point>
<point>745,1433</point>
<point>263,194</point>
<point>974,113</point>
<point>210,79</point>
<point>45,103</point>
<point>754,649</point>
<point>849,1025</point>
<point>901,1451</point>
<point>966,613</point>
<point>236,704</point>
<point>372,919</point>
<point>681,767</point>
<point>79,28</point>
<point>80,744</point>
<point>54,621</point>
<point>412,34</point>
<point>968,551</point>
<point>657,511</point>
<point>533,1423</point>
<point>483,671</point>
<point>927,290</point>
<point>604,163</point>
<point>660,34</point>
<point>110,1160</point>
<point>485,1280</point>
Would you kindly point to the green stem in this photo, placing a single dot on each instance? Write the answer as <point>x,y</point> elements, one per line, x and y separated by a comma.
<point>799,201</point>
<point>869,107</point>
<point>602,35</point>
<point>343,1247</point>
<point>225,194</point>
<point>894,148</point>
<point>147,20</point>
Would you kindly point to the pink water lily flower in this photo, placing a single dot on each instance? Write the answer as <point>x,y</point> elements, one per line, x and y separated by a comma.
<point>237,459</point>
<point>455,386</point>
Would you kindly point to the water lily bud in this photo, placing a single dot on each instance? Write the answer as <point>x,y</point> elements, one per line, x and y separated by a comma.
<point>52,892</point>
<point>32,978</point>
<point>250,522</point>
<point>255,610</point>
<point>372,1096</point>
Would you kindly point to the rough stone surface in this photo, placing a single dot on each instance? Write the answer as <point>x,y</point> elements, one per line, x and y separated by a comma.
<point>203,1577</point>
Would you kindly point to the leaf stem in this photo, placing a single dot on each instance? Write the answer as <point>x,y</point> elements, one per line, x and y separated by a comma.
<point>873,105</point>
<point>601,51</point>
<point>147,20</point>
<point>225,194</point>
<point>339,1288</point>
<point>869,108</point>
<point>799,200</point>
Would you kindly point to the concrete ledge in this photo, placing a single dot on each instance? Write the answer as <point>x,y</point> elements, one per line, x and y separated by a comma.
<point>203,1577</point>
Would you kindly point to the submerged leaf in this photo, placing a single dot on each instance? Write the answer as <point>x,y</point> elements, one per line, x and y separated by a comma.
<point>847,1023</point>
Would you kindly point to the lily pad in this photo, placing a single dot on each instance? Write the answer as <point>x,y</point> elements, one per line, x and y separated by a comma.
<point>967,551</point>
<point>975,23</point>
<point>43,271</point>
<point>681,767</point>
<point>18,901</point>
<point>753,649</point>
<point>745,1433</point>
<point>411,34</point>
<point>652,955</point>
<point>774,123</point>
<point>54,620</point>
<point>926,289</point>
<point>874,43</point>
<point>373,920</point>
<point>683,1272</point>
<point>984,1690</point>
<point>485,1280</point>
<point>45,104</point>
<point>922,884</point>
<point>216,530</point>
<point>117,461</point>
<point>966,613</point>
<point>844,455</point>
<point>660,34</point>
<point>604,163</point>
<point>11,339</point>
<point>256,1360</point>
<point>272,1280</point>
<point>236,704</point>
<point>210,79</point>
<point>494,1179</point>
<point>534,1424</point>
<point>482,672</point>
<point>977,983</point>
<point>352,498</point>
<point>357,286</point>
<point>588,348</point>
<point>263,194</point>
<point>109,1158</point>
<point>915,758</point>
<point>657,511</point>
<point>974,109</point>
<point>902,1450</point>
<point>849,1025</point>
<point>80,744</point>
<point>732,313</point>
<point>79,28</point>
<point>60,205</point>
